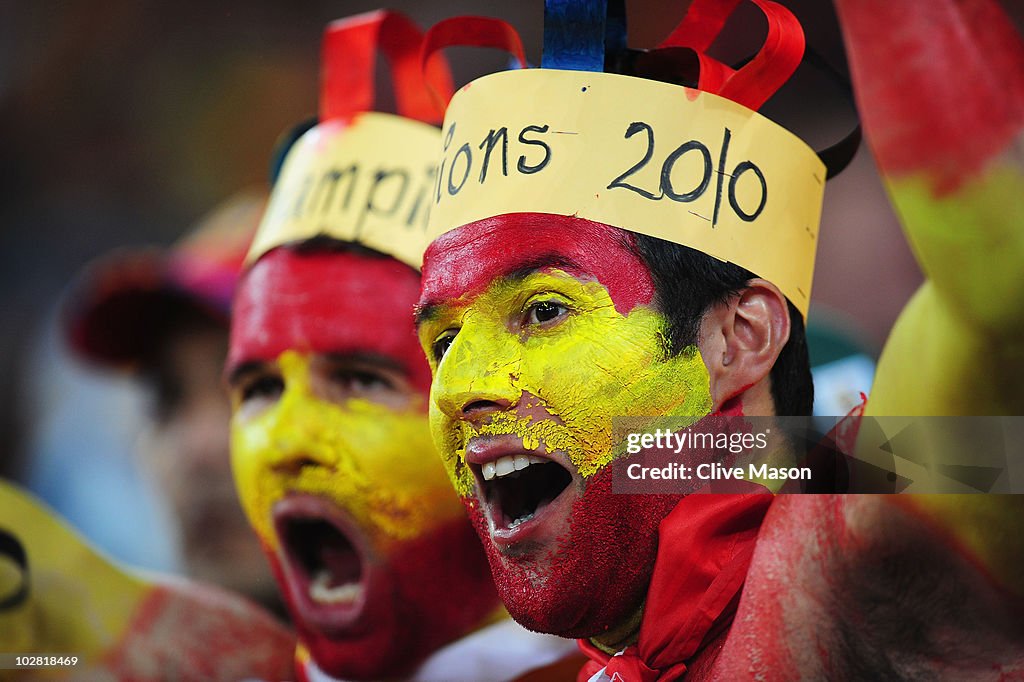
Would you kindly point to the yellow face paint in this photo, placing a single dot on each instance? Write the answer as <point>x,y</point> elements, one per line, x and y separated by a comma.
<point>374,462</point>
<point>580,370</point>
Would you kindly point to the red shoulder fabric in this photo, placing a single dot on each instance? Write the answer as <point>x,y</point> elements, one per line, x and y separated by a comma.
<point>704,550</point>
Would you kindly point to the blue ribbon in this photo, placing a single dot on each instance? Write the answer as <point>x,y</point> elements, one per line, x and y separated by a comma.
<point>583,35</point>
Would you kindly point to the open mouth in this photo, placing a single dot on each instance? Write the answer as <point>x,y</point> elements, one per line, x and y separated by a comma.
<point>326,555</point>
<point>322,564</point>
<point>518,488</point>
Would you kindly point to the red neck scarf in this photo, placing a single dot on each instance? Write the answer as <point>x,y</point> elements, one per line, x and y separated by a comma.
<point>704,550</point>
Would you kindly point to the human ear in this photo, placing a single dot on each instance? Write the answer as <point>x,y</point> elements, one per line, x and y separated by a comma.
<point>740,341</point>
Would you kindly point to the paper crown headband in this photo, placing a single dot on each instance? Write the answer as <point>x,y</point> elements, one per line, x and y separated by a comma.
<point>360,175</point>
<point>695,166</point>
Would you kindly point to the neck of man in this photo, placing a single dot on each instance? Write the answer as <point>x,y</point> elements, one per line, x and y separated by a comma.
<point>496,616</point>
<point>622,635</point>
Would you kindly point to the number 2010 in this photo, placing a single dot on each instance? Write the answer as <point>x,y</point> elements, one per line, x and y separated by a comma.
<point>668,189</point>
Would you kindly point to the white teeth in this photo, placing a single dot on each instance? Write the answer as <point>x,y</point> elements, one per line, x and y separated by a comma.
<point>321,591</point>
<point>521,520</point>
<point>503,466</point>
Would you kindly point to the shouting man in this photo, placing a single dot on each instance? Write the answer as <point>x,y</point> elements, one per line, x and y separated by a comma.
<point>611,246</point>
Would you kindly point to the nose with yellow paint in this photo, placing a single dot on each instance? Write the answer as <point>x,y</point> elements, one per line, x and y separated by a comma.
<point>478,369</point>
<point>293,425</point>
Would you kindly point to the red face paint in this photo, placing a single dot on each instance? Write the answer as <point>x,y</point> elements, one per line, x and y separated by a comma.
<point>464,262</point>
<point>608,551</point>
<point>432,590</point>
<point>328,302</point>
<point>940,84</point>
<point>608,548</point>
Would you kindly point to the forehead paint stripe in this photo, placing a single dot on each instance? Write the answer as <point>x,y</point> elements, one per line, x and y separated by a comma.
<point>465,261</point>
<point>327,302</point>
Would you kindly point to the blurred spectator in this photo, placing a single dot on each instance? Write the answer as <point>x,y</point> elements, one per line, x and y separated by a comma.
<point>162,315</point>
<point>81,448</point>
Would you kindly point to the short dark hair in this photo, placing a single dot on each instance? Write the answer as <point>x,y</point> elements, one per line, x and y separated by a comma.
<point>325,243</point>
<point>687,283</point>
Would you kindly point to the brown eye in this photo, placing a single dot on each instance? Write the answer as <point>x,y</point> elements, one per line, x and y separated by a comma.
<point>442,345</point>
<point>264,387</point>
<point>545,311</point>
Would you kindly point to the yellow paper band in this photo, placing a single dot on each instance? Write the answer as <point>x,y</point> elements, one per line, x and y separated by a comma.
<point>659,159</point>
<point>367,180</point>
<point>66,576</point>
<point>121,623</point>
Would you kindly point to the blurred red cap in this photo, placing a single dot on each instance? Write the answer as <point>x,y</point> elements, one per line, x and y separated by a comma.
<point>118,309</point>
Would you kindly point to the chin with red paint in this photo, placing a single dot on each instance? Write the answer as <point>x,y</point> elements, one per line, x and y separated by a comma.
<point>334,466</point>
<point>539,330</point>
<point>427,593</point>
<point>580,566</point>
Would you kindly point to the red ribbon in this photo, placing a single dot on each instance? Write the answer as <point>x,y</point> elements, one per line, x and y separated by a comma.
<point>750,86</point>
<point>470,31</point>
<point>350,50</point>
<point>770,68</point>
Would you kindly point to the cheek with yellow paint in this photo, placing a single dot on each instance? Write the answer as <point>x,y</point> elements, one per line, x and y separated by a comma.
<point>375,463</point>
<point>592,365</point>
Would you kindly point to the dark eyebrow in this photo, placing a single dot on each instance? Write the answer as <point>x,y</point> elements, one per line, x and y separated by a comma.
<point>428,311</point>
<point>536,263</point>
<point>235,374</point>
<point>238,373</point>
<point>367,358</point>
<point>425,312</point>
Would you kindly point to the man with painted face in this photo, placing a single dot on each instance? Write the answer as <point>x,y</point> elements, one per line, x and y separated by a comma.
<point>380,569</point>
<point>542,322</point>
